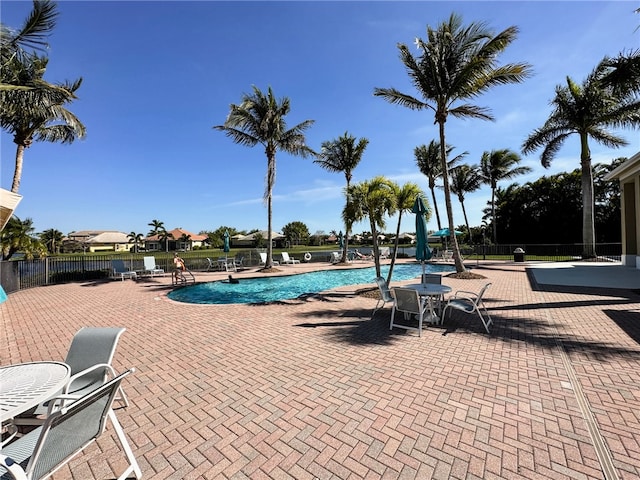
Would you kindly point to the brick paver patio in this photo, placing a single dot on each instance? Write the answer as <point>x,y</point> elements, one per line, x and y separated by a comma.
<point>313,389</point>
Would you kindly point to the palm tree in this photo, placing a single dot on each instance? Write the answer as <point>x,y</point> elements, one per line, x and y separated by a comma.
<point>428,161</point>
<point>405,198</point>
<point>260,119</point>
<point>456,64</point>
<point>39,113</point>
<point>184,239</point>
<point>158,228</point>
<point>465,179</point>
<point>499,165</point>
<point>33,34</point>
<point>342,155</point>
<point>587,110</point>
<point>18,235</point>
<point>373,199</point>
<point>136,238</point>
<point>52,239</point>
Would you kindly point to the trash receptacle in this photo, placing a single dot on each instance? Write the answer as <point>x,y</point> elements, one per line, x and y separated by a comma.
<point>518,255</point>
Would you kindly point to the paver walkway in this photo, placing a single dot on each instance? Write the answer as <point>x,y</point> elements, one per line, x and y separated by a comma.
<point>314,389</point>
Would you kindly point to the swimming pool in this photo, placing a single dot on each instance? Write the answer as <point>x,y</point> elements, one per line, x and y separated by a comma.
<point>271,289</point>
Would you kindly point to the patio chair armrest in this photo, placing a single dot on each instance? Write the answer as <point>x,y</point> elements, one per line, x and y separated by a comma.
<point>12,467</point>
<point>53,402</point>
<point>465,294</point>
<point>109,368</point>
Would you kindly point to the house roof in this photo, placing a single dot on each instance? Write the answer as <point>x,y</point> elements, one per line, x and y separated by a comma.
<point>263,233</point>
<point>628,168</point>
<point>109,237</point>
<point>177,233</point>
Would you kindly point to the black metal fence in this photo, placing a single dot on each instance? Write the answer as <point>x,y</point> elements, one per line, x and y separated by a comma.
<point>22,274</point>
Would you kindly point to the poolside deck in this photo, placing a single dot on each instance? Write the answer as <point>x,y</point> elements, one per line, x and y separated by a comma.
<point>313,389</point>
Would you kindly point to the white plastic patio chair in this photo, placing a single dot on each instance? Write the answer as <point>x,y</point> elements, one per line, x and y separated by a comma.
<point>286,259</point>
<point>263,259</point>
<point>151,268</point>
<point>64,434</point>
<point>407,301</point>
<point>470,302</point>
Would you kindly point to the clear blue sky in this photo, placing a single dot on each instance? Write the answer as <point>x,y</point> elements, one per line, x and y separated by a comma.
<point>158,76</point>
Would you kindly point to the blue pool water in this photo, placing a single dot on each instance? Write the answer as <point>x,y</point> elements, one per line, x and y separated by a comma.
<point>271,289</point>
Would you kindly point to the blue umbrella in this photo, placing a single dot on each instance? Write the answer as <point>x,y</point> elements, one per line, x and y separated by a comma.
<point>423,252</point>
<point>340,240</point>
<point>444,233</point>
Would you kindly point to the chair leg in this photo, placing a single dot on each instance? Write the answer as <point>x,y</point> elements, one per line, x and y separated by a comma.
<point>133,463</point>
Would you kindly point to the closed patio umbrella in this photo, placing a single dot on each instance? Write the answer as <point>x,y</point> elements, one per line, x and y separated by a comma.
<point>340,240</point>
<point>225,247</point>
<point>423,252</point>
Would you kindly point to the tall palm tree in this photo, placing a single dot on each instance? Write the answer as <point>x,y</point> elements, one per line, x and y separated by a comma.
<point>342,155</point>
<point>456,64</point>
<point>136,238</point>
<point>373,199</point>
<point>158,228</point>
<point>18,235</point>
<point>38,114</point>
<point>465,179</point>
<point>33,34</point>
<point>52,239</point>
<point>622,73</point>
<point>588,110</point>
<point>260,119</point>
<point>428,161</point>
<point>405,198</point>
<point>499,165</point>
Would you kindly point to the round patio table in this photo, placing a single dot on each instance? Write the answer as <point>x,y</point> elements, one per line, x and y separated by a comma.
<point>26,385</point>
<point>430,290</point>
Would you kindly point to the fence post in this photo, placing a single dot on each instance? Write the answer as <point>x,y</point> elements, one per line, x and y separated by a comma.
<point>46,270</point>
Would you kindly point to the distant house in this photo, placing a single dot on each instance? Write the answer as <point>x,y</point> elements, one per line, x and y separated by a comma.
<point>179,239</point>
<point>251,240</point>
<point>99,240</point>
<point>628,174</point>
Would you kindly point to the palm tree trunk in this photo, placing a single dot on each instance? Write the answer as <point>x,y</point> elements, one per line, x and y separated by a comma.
<point>17,174</point>
<point>395,248</point>
<point>435,205</point>
<point>271,167</point>
<point>345,245</point>
<point>447,197</point>
<point>588,219</point>
<point>374,242</point>
<point>466,221</point>
<point>493,215</point>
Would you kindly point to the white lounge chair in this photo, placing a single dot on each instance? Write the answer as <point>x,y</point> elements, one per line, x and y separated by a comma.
<point>263,260</point>
<point>286,259</point>
<point>122,272</point>
<point>470,302</point>
<point>150,267</point>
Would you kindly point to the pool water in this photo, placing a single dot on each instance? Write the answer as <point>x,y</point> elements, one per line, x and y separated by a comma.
<point>271,289</point>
